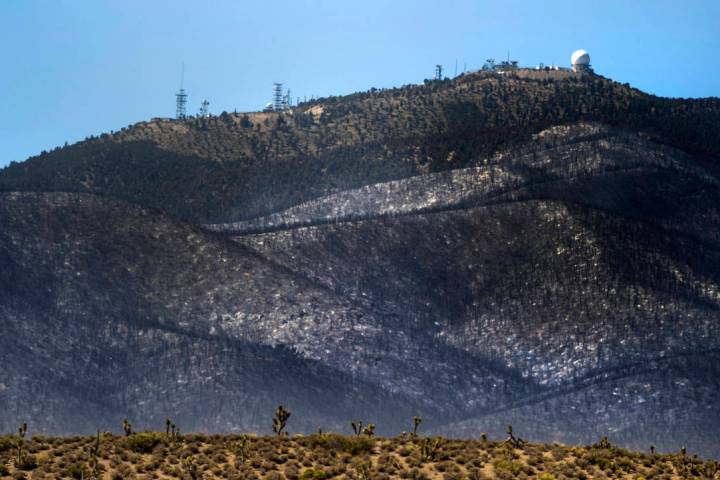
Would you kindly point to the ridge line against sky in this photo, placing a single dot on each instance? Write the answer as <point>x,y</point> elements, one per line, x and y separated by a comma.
<point>75,68</point>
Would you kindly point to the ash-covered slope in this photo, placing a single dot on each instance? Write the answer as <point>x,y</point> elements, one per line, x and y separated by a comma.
<point>530,250</point>
<point>667,402</point>
<point>591,268</point>
<point>584,163</point>
<point>110,310</point>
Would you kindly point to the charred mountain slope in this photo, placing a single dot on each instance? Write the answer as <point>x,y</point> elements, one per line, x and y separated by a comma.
<point>539,288</point>
<point>237,166</point>
<point>597,278</point>
<point>469,250</point>
<point>668,402</point>
<point>110,310</point>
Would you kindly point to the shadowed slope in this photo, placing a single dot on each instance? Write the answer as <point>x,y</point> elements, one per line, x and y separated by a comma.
<point>110,310</point>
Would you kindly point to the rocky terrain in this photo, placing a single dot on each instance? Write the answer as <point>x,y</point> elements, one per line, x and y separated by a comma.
<point>541,251</point>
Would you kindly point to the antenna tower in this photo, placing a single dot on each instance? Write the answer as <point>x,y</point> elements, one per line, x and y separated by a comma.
<point>438,72</point>
<point>286,100</point>
<point>204,108</point>
<point>278,97</point>
<point>181,98</point>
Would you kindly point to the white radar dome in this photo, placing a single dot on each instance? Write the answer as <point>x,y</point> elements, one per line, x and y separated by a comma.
<point>580,57</point>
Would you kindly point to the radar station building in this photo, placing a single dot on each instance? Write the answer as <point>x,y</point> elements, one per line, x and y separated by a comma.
<point>580,61</point>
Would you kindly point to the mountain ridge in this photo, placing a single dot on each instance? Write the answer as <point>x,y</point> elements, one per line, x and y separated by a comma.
<point>205,169</point>
<point>567,272</point>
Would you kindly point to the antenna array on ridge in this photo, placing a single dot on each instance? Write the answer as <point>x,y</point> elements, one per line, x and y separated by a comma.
<point>204,108</point>
<point>181,98</point>
<point>278,97</point>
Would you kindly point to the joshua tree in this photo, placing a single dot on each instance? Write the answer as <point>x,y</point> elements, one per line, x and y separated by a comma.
<point>280,420</point>
<point>168,423</point>
<point>603,443</point>
<point>127,427</point>
<point>174,431</point>
<point>358,429</point>
<point>682,462</point>
<point>512,440</point>
<point>429,448</point>
<point>191,467</point>
<point>416,423</point>
<point>22,431</point>
<point>652,449</point>
<point>240,449</point>
<point>94,457</point>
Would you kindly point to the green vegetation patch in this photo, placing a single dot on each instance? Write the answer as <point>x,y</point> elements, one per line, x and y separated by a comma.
<point>312,474</point>
<point>7,443</point>
<point>143,442</point>
<point>511,466</point>
<point>338,443</point>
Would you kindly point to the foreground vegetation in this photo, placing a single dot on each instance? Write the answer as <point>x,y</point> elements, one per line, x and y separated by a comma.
<point>168,455</point>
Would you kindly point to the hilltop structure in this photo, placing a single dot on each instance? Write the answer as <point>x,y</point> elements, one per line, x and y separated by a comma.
<point>281,100</point>
<point>580,61</point>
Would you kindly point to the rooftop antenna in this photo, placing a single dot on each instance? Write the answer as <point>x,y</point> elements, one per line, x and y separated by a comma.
<point>204,108</point>
<point>277,97</point>
<point>438,72</point>
<point>181,97</point>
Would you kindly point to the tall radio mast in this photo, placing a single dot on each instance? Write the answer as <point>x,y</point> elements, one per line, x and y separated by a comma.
<point>181,98</point>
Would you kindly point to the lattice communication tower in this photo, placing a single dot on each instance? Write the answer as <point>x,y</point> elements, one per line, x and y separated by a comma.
<point>181,98</point>
<point>278,97</point>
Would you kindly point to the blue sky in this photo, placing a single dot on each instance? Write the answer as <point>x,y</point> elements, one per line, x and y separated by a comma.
<point>72,68</point>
